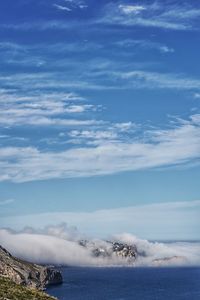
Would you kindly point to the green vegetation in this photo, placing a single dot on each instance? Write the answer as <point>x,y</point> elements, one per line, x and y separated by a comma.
<point>12,291</point>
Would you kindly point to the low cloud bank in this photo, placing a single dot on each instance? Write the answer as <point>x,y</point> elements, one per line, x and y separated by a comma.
<point>163,254</point>
<point>61,245</point>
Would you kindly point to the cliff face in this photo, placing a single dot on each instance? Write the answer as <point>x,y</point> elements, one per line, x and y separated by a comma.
<point>122,250</point>
<point>27,274</point>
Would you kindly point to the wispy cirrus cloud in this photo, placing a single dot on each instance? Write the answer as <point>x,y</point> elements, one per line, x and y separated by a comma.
<point>160,148</point>
<point>145,220</point>
<point>157,80</point>
<point>106,76</point>
<point>77,3</point>
<point>154,14</point>
<point>105,134</point>
<point>42,57</point>
<point>47,110</point>
<point>6,202</point>
<point>165,16</point>
<point>63,8</point>
<point>40,26</point>
<point>70,5</point>
<point>60,73</point>
<point>197,95</point>
<point>131,9</point>
<point>144,44</point>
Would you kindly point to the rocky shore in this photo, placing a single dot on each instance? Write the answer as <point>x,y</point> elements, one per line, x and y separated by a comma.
<point>27,274</point>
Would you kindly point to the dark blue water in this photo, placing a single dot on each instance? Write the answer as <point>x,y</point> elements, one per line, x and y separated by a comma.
<point>129,284</point>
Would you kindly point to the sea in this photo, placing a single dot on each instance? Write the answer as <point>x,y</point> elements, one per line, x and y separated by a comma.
<point>128,283</point>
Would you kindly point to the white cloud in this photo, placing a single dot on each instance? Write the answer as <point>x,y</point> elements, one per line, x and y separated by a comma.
<point>45,81</point>
<point>156,221</point>
<point>103,78</point>
<point>111,133</point>
<point>6,202</point>
<point>126,126</point>
<point>154,80</point>
<point>11,46</point>
<point>90,134</point>
<point>174,146</point>
<point>79,108</point>
<point>183,12</point>
<point>197,95</point>
<point>196,119</point>
<point>60,7</point>
<point>71,5</point>
<point>131,9</point>
<point>166,49</point>
<point>43,110</point>
<point>145,44</point>
<point>160,15</point>
<point>48,249</point>
<point>83,6</point>
<point>56,248</point>
<point>170,17</point>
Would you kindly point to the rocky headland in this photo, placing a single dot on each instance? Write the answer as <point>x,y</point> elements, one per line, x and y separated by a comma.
<point>27,274</point>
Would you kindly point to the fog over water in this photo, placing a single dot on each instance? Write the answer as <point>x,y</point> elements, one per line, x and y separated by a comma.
<point>60,245</point>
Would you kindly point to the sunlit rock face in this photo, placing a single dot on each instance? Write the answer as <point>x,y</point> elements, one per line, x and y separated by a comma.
<point>129,254</point>
<point>124,250</point>
<point>111,249</point>
<point>25,273</point>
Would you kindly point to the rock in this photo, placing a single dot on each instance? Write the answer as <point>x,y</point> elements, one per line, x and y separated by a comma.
<point>50,276</point>
<point>26,273</point>
<point>169,261</point>
<point>108,249</point>
<point>125,250</point>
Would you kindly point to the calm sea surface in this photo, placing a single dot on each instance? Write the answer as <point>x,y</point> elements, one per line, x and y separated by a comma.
<point>128,283</point>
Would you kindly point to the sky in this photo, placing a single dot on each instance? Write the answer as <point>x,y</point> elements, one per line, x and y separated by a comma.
<point>100,116</point>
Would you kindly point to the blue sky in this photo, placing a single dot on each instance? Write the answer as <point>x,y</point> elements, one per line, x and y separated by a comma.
<point>100,111</point>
